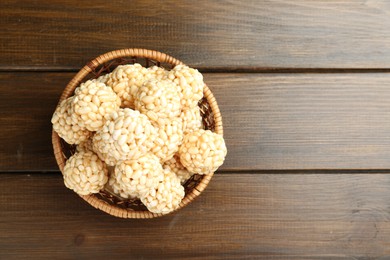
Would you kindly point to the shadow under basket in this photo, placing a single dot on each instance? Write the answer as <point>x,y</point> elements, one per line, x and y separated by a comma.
<point>106,200</point>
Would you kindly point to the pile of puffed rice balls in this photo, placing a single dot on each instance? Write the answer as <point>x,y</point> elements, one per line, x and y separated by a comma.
<point>139,134</point>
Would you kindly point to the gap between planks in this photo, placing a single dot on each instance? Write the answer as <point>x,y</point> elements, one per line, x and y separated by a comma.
<point>215,70</point>
<point>223,172</point>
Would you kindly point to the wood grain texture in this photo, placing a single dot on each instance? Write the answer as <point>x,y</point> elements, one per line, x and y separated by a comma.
<point>271,121</point>
<point>65,34</point>
<point>27,102</point>
<point>239,216</point>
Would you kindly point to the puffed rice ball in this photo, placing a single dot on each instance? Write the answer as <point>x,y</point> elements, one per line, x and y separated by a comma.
<point>158,99</point>
<point>125,81</point>
<point>192,120</point>
<point>138,177</point>
<point>104,78</point>
<point>85,173</point>
<point>116,188</point>
<point>175,166</point>
<point>169,138</point>
<point>66,126</point>
<point>157,73</point>
<point>202,151</point>
<point>126,135</point>
<point>166,197</point>
<point>93,101</point>
<point>190,85</point>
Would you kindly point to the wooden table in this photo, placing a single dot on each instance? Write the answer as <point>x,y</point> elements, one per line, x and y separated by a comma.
<point>304,90</point>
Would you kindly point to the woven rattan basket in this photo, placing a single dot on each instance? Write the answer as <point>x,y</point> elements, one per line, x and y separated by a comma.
<point>106,200</point>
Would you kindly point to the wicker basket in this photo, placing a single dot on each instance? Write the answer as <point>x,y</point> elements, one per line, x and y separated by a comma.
<point>105,200</point>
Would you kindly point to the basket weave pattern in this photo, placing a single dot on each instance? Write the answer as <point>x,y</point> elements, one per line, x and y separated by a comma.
<point>105,200</point>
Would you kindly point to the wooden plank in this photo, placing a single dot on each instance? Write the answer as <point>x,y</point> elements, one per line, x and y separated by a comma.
<point>239,216</point>
<point>66,34</point>
<point>27,101</point>
<point>272,121</point>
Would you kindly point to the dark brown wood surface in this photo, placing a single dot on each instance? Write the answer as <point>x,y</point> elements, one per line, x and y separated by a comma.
<point>304,91</point>
<point>250,34</point>
<point>239,216</point>
<point>272,121</point>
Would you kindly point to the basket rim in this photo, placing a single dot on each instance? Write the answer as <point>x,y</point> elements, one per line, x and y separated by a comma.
<point>80,76</point>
